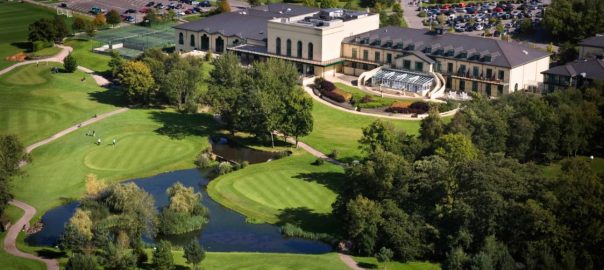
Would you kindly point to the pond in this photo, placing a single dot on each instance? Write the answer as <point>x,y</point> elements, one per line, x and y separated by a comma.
<point>230,150</point>
<point>227,230</point>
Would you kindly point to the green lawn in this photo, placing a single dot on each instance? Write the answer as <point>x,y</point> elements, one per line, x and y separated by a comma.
<point>371,263</point>
<point>82,51</point>
<point>339,130</point>
<point>266,261</point>
<point>377,101</point>
<point>552,170</point>
<point>9,262</point>
<point>148,142</point>
<point>34,103</point>
<point>47,52</point>
<point>15,17</point>
<point>286,190</point>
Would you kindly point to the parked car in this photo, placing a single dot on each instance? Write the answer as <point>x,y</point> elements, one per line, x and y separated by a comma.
<point>150,4</point>
<point>129,19</point>
<point>478,27</point>
<point>130,11</point>
<point>205,4</point>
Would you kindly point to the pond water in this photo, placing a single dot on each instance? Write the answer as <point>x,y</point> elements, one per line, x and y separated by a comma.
<point>226,231</point>
<point>232,151</point>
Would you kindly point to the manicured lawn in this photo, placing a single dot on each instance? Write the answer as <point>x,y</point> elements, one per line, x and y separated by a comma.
<point>266,261</point>
<point>339,130</point>
<point>15,18</point>
<point>377,101</point>
<point>552,170</point>
<point>371,263</point>
<point>34,103</point>
<point>148,142</point>
<point>82,51</point>
<point>47,52</point>
<point>280,190</point>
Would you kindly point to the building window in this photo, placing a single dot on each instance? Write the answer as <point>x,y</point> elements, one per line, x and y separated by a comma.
<point>288,47</point>
<point>299,48</point>
<point>419,66</point>
<point>365,67</point>
<point>489,73</point>
<point>354,53</point>
<point>499,90</point>
<point>501,75</point>
<point>462,70</point>
<point>181,39</point>
<point>475,71</point>
<point>488,90</point>
<point>278,46</point>
<point>365,55</point>
<point>516,87</point>
<point>389,58</point>
<point>450,67</point>
<point>219,44</point>
<point>205,42</point>
<point>192,42</point>
<point>310,50</point>
<point>475,86</point>
<point>462,85</point>
<point>407,64</point>
<point>377,57</point>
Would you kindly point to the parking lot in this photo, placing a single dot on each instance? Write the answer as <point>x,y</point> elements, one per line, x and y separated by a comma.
<point>136,8</point>
<point>477,17</point>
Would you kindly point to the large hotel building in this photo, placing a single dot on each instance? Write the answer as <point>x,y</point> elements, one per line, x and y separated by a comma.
<point>323,42</point>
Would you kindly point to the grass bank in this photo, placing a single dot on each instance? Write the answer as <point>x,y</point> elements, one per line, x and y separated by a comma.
<point>82,52</point>
<point>371,263</point>
<point>285,190</point>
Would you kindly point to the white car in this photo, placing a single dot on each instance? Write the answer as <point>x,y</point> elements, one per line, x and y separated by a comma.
<point>479,27</point>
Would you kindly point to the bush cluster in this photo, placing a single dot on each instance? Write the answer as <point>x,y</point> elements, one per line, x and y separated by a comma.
<point>330,90</point>
<point>418,107</point>
<point>291,230</point>
<point>224,168</point>
<point>40,44</point>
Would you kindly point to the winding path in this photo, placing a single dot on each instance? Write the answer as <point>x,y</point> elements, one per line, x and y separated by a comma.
<point>10,240</point>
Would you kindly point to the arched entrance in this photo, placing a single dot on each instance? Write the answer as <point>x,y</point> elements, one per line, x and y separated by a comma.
<point>219,45</point>
<point>205,42</point>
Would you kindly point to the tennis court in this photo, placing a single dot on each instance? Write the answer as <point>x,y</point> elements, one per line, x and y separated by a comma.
<point>136,39</point>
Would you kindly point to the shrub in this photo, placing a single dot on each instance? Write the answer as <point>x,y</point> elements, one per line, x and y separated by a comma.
<point>244,164</point>
<point>333,154</point>
<point>291,230</point>
<point>40,44</point>
<point>318,162</point>
<point>178,223</point>
<point>327,86</point>
<point>70,64</point>
<point>236,167</point>
<point>282,154</point>
<point>224,168</point>
<point>420,106</point>
<point>422,14</point>
<point>338,95</point>
<point>366,99</point>
<point>204,160</point>
<point>318,81</point>
<point>406,108</point>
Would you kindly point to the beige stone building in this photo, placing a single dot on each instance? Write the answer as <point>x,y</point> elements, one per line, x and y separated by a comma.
<point>329,41</point>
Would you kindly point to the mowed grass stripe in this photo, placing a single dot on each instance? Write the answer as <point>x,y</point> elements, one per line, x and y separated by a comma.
<point>261,191</point>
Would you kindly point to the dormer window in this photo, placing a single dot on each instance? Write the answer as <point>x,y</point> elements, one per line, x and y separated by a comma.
<point>487,58</point>
<point>463,55</point>
<point>411,47</point>
<point>450,53</point>
<point>428,50</point>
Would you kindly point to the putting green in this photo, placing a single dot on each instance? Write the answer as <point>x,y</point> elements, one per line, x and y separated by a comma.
<point>35,103</point>
<point>267,190</point>
<point>148,142</point>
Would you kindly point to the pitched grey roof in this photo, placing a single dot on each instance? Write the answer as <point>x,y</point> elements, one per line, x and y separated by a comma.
<point>502,53</point>
<point>596,41</point>
<point>593,69</point>
<point>247,24</point>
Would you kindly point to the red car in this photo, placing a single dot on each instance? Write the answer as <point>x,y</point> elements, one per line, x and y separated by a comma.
<point>143,10</point>
<point>498,9</point>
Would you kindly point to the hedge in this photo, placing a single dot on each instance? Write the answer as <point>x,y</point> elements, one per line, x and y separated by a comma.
<point>404,107</point>
<point>338,95</point>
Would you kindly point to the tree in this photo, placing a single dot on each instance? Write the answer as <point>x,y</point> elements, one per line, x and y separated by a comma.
<point>567,52</point>
<point>574,20</point>
<point>182,84</point>
<point>183,199</point>
<point>113,258</point>
<point>116,63</point>
<point>456,260</point>
<point>254,3</point>
<point>151,18</point>
<point>79,24</point>
<point>431,127</point>
<point>162,256</point>
<point>100,20</point>
<point>457,149</point>
<point>113,17</point>
<point>224,6</point>
<point>12,153</point>
<point>194,253</point>
<point>70,64</point>
<point>364,218</point>
<point>94,186</point>
<point>298,116</point>
<point>224,88</point>
<point>138,82</point>
<point>329,3</point>
<point>61,27</point>
<point>90,29</point>
<point>42,30</point>
<point>384,256</point>
<point>79,261</point>
<point>526,26</point>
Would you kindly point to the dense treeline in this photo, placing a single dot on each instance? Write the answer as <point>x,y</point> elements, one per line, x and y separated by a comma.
<point>12,152</point>
<point>157,78</point>
<point>459,194</point>
<point>573,20</point>
<point>259,100</point>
